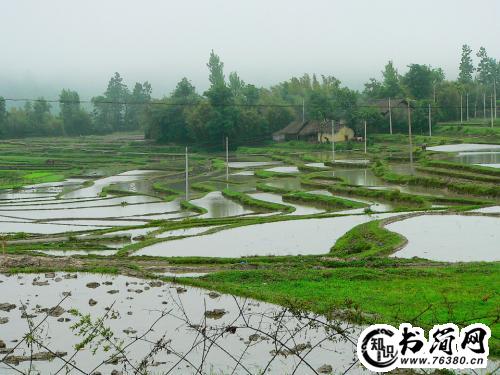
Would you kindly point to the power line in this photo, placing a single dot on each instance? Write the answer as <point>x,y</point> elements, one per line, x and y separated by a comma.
<point>192,104</point>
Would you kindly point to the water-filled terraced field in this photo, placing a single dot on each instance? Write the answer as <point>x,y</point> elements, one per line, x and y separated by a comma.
<point>290,229</point>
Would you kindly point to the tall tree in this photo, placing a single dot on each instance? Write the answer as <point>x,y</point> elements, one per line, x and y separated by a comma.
<point>168,123</point>
<point>136,105</point>
<point>466,66</point>
<point>40,109</point>
<point>391,84</point>
<point>419,81</point>
<point>74,119</point>
<point>3,116</point>
<point>486,67</point>
<point>216,70</point>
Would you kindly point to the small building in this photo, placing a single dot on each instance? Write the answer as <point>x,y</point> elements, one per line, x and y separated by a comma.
<point>314,131</point>
<point>289,132</point>
<point>342,133</point>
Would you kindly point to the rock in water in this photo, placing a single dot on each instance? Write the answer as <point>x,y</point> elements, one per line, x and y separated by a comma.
<point>7,306</point>
<point>325,369</point>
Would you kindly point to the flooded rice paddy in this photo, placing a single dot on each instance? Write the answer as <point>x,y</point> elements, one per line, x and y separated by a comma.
<point>241,336</point>
<point>464,147</point>
<point>250,164</point>
<point>96,188</point>
<point>276,198</point>
<point>450,238</point>
<point>219,206</point>
<point>284,169</point>
<point>293,237</point>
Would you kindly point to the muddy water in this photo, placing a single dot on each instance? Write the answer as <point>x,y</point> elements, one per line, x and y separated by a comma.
<point>136,305</point>
<point>284,169</point>
<point>44,228</point>
<point>285,183</point>
<point>374,206</point>
<point>94,212</point>
<point>68,253</point>
<point>276,198</point>
<point>361,177</point>
<point>11,195</point>
<point>219,206</point>
<point>450,238</point>
<point>99,222</point>
<point>484,158</point>
<point>464,147</point>
<point>96,188</point>
<point>185,231</point>
<point>488,210</point>
<point>63,203</point>
<point>141,187</point>
<point>366,178</point>
<point>67,182</point>
<point>243,173</point>
<point>294,237</point>
<point>317,165</point>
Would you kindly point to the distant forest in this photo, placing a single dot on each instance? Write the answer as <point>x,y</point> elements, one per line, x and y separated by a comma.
<point>248,114</point>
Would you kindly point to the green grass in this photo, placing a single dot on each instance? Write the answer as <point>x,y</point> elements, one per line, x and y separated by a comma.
<point>261,173</point>
<point>186,205</point>
<point>17,178</point>
<point>422,295</point>
<point>271,189</point>
<point>477,169</point>
<point>203,186</point>
<point>324,201</point>
<point>258,204</point>
<point>402,200</point>
<point>459,174</point>
<point>367,240</point>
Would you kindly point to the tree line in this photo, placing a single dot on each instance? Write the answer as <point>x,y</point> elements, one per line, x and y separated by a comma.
<point>247,114</point>
<point>118,109</point>
<point>424,85</point>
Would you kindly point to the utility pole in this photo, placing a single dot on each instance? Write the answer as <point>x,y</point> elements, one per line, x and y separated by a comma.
<point>495,96</point>
<point>484,105</point>
<point>365,136</point>
<point>491,110</point>
<point>333,142</point>
<point>461,110</point>
<point>227,158</point>
<point>467,104</point>
<point>409,136</point>
<point>187,176</point>
<point>390,116</point>
<point>303,110</point>
<point>430,121</point>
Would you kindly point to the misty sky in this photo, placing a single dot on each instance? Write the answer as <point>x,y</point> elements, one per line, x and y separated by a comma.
<point>51,44</point>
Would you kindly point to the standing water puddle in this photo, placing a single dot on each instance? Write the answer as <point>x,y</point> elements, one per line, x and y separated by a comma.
<point>239,333</point>
<point>449,238</point>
